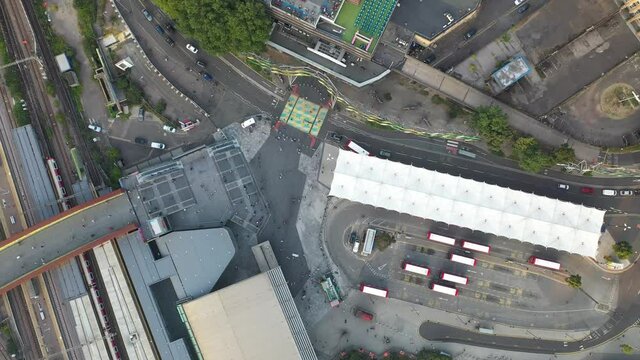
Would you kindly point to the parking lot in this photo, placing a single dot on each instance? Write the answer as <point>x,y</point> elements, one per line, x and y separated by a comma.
<point>502,287</point>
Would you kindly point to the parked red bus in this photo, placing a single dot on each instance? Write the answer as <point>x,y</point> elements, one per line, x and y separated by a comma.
<point>462,259</point>
<point>475,247</point>
<point>454,278</point>
<point>544,263</point>
<point>374,291</point>
<point>415,269</point>
<point>441,238</point>
<point>445,289</point>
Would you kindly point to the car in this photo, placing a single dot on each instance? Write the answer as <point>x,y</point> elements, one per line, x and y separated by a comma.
<point>385,154</point>
<point>430,58</point>
<point>586,190</point>
<point>192,48</point>
<point>170,28</point>
<point>159,29</point>
<point>563,186</point>
<point>140,140</point>
<point>157,145</point>
<point>469,34</point>
<point>626,192</point>
<point>169,41</point>
<point>201,63</point>
<point>335,137</point>
<point>205,75</point>
<point>168,128</point>
<point>249,122</point>
<point>147,14</point>
<point>609,192</point>
<point>141,114</point>
<point>518,2</point>
<point>96,128</point>
<point>353,238</point>
<point>523,8</point>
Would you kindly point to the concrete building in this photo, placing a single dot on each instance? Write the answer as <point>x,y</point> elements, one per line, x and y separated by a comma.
<point>254,319</point>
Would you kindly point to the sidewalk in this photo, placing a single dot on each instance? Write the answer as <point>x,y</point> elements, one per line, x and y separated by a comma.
<point>473,98</point>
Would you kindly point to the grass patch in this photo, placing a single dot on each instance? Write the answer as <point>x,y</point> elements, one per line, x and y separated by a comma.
<point>624,150</point>
<point>383,240</point>
<point>347,19</point>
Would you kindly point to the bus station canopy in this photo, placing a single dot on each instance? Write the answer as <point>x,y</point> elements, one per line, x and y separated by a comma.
<point>467,203</point>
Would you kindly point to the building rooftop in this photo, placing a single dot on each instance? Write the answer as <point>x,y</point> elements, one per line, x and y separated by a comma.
<point>467,203</point>
<point>254,319</point>
<point>429,18</point>
<point>177,266</point>
<point>511,72</point>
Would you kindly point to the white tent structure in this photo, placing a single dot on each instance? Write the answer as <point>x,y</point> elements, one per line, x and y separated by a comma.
<point>467,203</point>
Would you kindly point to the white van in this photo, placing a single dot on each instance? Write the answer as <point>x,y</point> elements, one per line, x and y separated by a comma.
<point>609,192</point>
<point>157,145</point>
<point>356,247</point>
<point>245,124</point>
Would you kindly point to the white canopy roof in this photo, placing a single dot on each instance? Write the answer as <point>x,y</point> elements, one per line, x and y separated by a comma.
<point>467,203</point>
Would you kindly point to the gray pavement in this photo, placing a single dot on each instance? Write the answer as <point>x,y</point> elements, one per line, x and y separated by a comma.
<point>64,22</point>
<point>493,18</point>
<point>573,66</point>
<point>473,98</point>
<point>582,117</point>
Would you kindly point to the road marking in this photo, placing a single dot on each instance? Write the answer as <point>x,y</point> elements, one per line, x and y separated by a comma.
<point>478,171</point>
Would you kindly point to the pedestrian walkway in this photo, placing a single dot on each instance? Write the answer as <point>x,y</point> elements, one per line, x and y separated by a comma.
<point>473,98</point>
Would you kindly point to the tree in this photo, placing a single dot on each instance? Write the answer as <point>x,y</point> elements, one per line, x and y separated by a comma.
<point>564,154</point>
<point>627,349</point>
<point>222,26</point>
<point>575,281</point>
<point>623,250</point>
<point>491,123</point>
<point>527,151</point>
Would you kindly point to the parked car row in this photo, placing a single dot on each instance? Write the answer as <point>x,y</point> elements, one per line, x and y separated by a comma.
<point>605,192</point>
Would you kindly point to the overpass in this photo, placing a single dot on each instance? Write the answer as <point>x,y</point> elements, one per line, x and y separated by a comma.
<point>56,240</point>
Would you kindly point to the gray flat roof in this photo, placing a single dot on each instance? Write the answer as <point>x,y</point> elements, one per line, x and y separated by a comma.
<point>59,236</point>
<point>192,261</point>
<point>35,173</point>
<point>427,18</point>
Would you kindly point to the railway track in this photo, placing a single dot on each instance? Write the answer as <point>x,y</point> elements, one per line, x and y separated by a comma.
<point>64,94</point>
<point>17,36</point>
<point>30,349</point>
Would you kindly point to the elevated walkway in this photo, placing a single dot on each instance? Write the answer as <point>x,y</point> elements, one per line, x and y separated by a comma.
<point>52,242</point>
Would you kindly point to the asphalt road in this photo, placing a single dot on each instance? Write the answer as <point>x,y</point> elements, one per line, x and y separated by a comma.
<point>431,154</point>
<point>251,89</point>
<point>494,18</point>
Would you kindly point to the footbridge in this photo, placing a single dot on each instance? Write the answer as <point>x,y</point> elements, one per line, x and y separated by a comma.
<point>56,240</point>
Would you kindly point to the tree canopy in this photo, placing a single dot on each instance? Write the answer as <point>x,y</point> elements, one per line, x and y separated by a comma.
<point>575,281</point>
<point>221,26</point>
<point>623,250</point>
<point>529,155</point>
<point>491,123</point>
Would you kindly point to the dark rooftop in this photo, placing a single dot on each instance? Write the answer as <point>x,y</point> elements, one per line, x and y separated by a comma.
<point>429,18</point>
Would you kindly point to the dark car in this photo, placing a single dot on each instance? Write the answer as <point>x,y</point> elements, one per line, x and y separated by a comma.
<point>201,63</point>
<point>353,238</point>
<point>523,8</point>
<point>430,58</point>
<point>469,34</point>
<point>147,14</point>
<point>586,190</point>
<point>159,29</point>
<point>385,154</point>
<point>170,28</point>
<point>141,114</point>
<point>206,76</point>
<point>169,41</point>
<point>140,140</point>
